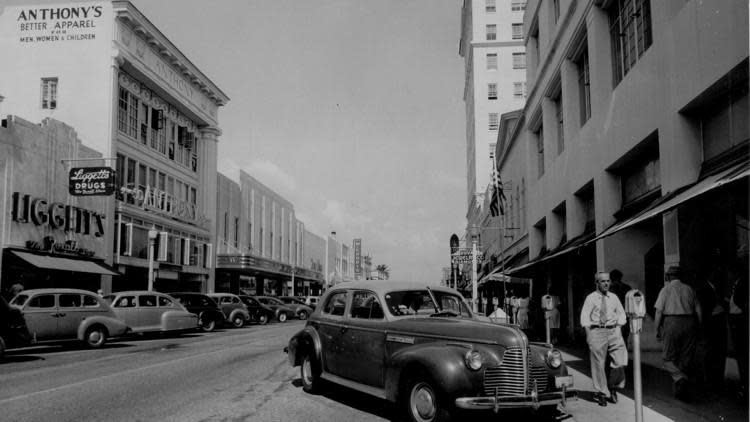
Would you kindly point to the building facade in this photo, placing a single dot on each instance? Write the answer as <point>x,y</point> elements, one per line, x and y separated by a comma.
<point>260,241</point>
<point>636,135</point>
<point>494,83</point>
<point>131,94</point>
<point>49,238</point>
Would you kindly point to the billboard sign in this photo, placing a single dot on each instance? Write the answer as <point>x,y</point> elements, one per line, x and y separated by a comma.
<point>357,258</point>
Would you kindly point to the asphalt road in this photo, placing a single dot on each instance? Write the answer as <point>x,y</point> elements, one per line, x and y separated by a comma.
<point>229,375</point>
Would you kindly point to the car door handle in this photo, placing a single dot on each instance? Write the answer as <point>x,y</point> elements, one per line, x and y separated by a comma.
<point>342,330</point>
<point>54,314</point>
<point>61,314</point>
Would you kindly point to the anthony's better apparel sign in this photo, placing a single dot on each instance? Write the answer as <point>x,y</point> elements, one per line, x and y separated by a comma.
<point>91,181</point>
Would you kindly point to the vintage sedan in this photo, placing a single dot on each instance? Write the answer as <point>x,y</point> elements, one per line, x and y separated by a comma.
<point>281,310</point>
<point>234,309</point>
<point>423,348</point>
<point>54,315</point>
<point>146,311</point>
<point>301,310</point>
<point>259,312</point>
<point>209,313</point>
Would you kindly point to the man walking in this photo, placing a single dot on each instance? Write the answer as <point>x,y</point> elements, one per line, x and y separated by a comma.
<point>602,316</point>
<point>678,316</point>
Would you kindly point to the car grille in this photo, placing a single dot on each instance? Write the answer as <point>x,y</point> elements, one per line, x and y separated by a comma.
<point>508,378</point>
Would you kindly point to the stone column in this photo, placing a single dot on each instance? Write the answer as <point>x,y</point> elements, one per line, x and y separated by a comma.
<point>207,148</point>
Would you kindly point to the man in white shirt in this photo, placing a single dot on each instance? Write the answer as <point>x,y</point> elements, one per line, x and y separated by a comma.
<point>602,316</point>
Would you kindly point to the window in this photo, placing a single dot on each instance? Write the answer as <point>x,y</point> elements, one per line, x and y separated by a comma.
<point>555,10</point>
<point>236,232</point>
<point>49,93</point>
<point>640,179</point>
<point>226,227</point>
<point>492,153</point>
<point>127,113</point>
<point>165,302</point>
<point>724,124</point>
<point>491,61</point>
<point>519,60</point>
<point>540,151</point>
<point>489,6</point>
<point>630,34</point>
<point>586,201</point>
<point>41,301</point>
<point>494,122</point>
<point>144,123</point>
<point>491,32</point>
<point>560,213</point>
<point>90,302</point>
<point>492,91</point>
<point>142,170</point>
<point>517,29</point>
<point>584,84</point>
<point>147,300</point>
<point>336,304</point>
<point>559,123</point>
<point>519,89</point>
<point>518,5</point>
<point>365,305</point>
<point>70,301</point>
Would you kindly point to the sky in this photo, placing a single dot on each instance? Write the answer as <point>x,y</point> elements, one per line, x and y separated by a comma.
<point>350,109</point>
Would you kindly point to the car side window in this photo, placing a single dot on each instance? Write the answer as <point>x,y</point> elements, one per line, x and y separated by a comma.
<point>365,305</point>
<point>70,301</point>
<point>336,304</point>
<point>42,301</point>
<point>90,301</point>
<point>148,301</point>
<point>205,301</point>
<point>235,300</point>
<point>125,302</point>
<point>163,301</point>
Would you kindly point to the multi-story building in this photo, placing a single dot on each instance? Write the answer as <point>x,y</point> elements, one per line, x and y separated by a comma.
<point>260,242</point>
<point>105,69</point>
<point>636,140</point>
<point>494,83</point>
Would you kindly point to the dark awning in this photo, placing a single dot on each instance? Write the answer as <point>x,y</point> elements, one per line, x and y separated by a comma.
<point>567,247</point>
<point>729,175</point>
<point>64,264</point>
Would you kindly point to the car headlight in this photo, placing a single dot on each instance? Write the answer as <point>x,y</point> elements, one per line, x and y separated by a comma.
<point>473,360</point>
<point>554,358</point>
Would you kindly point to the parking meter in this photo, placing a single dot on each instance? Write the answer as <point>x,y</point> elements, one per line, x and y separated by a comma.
<point>635,308</point>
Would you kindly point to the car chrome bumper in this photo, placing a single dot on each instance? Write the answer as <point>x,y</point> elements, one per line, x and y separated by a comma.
<point>534,400</point>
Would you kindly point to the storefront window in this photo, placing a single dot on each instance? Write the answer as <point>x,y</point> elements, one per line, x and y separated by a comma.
<point>140,242</point>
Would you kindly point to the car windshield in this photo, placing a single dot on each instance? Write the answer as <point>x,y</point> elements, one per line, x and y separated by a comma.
<point>19,300</point>
<point>420,302</point>
<point>271,301</point>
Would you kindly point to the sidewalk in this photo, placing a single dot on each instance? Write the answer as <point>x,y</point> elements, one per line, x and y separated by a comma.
<point>659,403</point>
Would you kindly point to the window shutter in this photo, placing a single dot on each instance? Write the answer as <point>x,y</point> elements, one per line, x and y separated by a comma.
<point>208,255</point>
<point>162,241</point>
<point>185,252</point>
<point>128,249</point>
<point>157,119</point>
<point>181,134</point>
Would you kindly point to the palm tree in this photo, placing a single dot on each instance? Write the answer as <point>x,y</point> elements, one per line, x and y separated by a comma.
<point>384,273</point>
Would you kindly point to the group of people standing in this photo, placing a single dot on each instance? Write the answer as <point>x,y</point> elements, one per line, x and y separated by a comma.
<point>684,323</point>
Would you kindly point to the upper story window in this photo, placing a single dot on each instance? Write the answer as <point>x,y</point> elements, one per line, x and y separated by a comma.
<point>492,91</point>
<point>639,179</point>
<point>494,122</point>
<point>585,197</point>
<point>584,82</point>
<point>492,154</point>
<point>630,33</point>
<point>492,61</point>
<point>491,32</point>
<point>517,29</point>
<point>519,89</point>
<point>559,123</point>
<point>49,93</point>
<point>518,5</point>
<point>489,6</point>
<point>540,151</point>
<point>519,60</point>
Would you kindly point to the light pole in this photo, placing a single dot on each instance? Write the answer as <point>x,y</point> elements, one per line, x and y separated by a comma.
<point>152,233</point>
<point>474,233</point>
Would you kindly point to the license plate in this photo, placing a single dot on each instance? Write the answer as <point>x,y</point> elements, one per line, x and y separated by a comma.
<point>566,381</point>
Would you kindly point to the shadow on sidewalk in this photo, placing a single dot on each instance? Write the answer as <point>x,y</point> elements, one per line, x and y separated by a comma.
<point>722,405</point>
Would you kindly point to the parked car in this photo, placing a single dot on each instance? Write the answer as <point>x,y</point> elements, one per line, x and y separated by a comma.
<point>233,308</point>
<point>423,348</point>
<point>301,310</point>
<point>208,312</point>
<point>54,315</point>
<point>311,301</point>
<point>13,329</point>
<point>280,310</point>
<point>146,311</point>
<point>259,312</point>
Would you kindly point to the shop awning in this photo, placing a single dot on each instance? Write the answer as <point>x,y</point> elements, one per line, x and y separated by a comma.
<point>64,264</point>
<point>729,175</point>
<point>561,250</point>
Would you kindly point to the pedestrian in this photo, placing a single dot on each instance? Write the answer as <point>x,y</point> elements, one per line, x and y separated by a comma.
<point>522,313</point>
<point>550,303</point>
<point>620,289</point>
<point>678,316</point>
<point>738,325</point>
<point>602,316</point>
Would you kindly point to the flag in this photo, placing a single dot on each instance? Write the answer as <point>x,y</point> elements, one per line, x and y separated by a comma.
<point>497,204</point>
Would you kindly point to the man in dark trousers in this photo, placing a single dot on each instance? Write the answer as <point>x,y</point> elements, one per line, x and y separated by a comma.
<point>678,317</point>
<point>602,316</point>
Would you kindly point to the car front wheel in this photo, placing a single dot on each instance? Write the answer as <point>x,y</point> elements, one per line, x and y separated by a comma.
<point>95,337</point>
<point>238,321</point>
<point>311,381</point>
<point>262,319</point>
<point>282,317</point>
<point>302,315</point>
<point>206,324</point>
<point>421,401</point>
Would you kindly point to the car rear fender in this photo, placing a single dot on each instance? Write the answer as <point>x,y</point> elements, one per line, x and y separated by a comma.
<point>303,342</point>
<point>245,315</point>
<point>444,363</point>
<point>115,327</point>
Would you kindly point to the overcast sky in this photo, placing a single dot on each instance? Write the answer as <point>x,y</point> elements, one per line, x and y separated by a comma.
<point>350,109</point>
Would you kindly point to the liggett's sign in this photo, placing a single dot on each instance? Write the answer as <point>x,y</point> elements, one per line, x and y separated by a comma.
<point>91,181</point>
<point>56,215</point>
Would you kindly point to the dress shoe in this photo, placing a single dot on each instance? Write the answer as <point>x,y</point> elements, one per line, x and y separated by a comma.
<point>602,400</point>
<point>613,395</point>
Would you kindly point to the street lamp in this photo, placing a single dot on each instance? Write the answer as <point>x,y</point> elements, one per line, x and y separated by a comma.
<point>474,234</point>
<point>152,233</point>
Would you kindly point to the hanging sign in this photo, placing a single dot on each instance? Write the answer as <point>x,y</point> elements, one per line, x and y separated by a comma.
<point>91,181</point>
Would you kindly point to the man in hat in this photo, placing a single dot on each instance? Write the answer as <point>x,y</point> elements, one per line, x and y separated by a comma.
<point>678,316</point>
<point>602,316</point>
